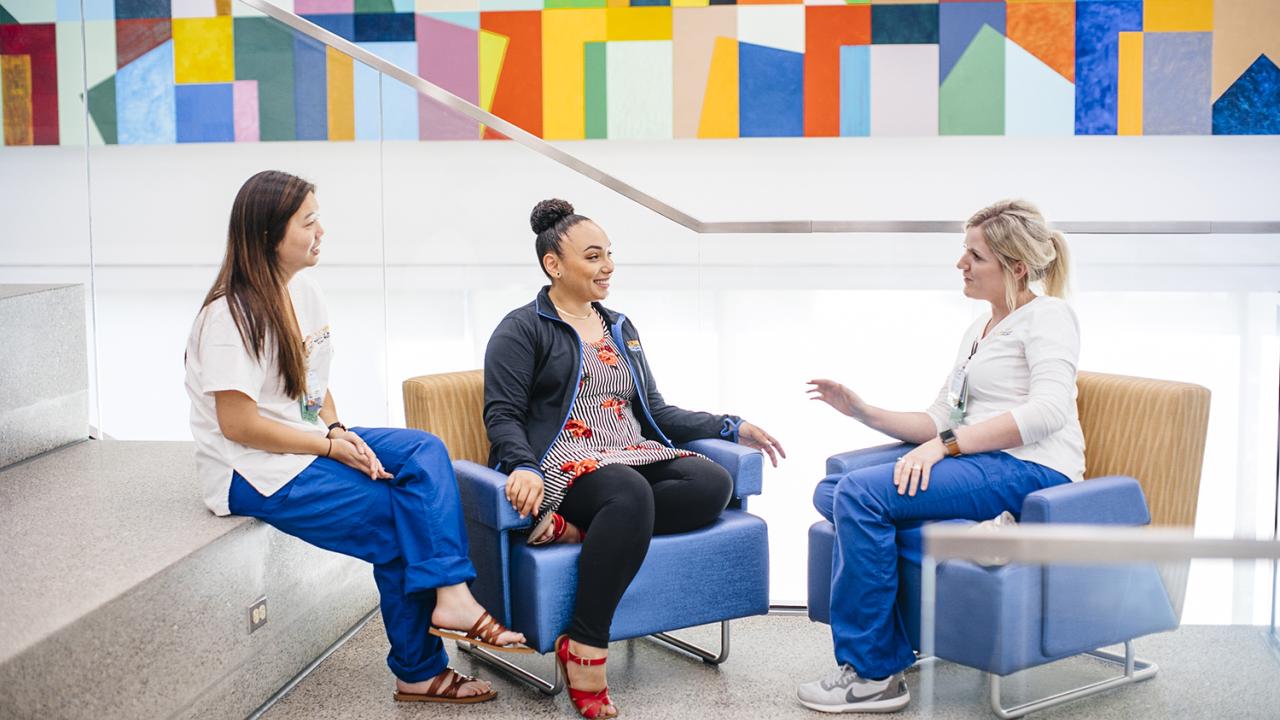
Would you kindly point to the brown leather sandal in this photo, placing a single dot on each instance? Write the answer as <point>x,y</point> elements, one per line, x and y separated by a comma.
<point>484,633</point>
<point>439,692</point>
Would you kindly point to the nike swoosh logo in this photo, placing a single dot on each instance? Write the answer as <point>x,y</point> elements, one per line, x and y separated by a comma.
<point>851,697</point>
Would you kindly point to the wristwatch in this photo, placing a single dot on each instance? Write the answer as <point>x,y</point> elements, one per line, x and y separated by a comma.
<point>948,438</point>
<point>335,424</point>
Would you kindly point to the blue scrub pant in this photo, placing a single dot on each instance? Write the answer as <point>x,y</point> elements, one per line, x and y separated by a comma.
<point>867,511</point>
<point>409,527</point>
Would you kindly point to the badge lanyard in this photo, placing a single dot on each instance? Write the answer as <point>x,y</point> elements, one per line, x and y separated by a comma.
<point>958,389</point>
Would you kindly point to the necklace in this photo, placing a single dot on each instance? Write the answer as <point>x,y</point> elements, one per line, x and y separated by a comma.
<point>562,311</point>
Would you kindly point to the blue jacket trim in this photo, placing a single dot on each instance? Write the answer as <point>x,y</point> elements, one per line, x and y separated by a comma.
<point>730,430</point>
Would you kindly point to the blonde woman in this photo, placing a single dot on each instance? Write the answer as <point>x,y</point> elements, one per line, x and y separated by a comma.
<point>1004,425</point>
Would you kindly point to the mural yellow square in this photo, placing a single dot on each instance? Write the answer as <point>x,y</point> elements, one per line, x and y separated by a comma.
<point>203,51</point>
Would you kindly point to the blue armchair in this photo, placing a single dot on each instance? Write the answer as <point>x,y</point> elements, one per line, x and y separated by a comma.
<point>714,574</point>
<point>1144,438</point>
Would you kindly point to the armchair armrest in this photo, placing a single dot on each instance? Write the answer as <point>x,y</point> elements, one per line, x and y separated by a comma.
<point>1101,501</point>
<point>484,497</point>
<point>845,462</point>
<point>745,465</point>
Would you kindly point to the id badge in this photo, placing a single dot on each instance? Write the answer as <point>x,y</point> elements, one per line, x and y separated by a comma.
<point>958,394</point>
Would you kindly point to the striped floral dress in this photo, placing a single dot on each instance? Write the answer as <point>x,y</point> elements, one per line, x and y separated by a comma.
<point>601,429</point>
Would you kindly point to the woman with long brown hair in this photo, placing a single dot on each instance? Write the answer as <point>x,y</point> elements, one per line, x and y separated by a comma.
<point>269,444</point>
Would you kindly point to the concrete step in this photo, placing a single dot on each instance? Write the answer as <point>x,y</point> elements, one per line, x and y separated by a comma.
<point>44,371</point>
<point>121,596</point>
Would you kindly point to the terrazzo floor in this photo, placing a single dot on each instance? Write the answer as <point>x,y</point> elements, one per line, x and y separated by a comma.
<point>1205,672</point>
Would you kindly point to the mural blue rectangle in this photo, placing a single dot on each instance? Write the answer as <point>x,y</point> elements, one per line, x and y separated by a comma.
<point>399,111</point>
<point>1177,81</point>
<point>958,24</point>
<point>69,10</point>
<point>650,3</point>
<point>205,113</point>
<point>904,24</point>
<point>770,92</point>
<point>1098,25</point>
<point>310,89</point>
<point>384,27</point>
<point>133,9</point>
<point>145,110</point>
<point>364,99</point>
<point>855,90</point>
<point>343,25</point>
<point>461,19</point>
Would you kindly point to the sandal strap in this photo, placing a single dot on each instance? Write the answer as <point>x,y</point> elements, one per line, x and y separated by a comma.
<point>458,681</point>
<point>488,629</point>
<point>436,683</point>
<point>484,628</point>
<point>590,704</point>
<point>570,657</point>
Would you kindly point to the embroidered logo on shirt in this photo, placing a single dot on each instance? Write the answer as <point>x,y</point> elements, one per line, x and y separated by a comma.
<point>633,345</point>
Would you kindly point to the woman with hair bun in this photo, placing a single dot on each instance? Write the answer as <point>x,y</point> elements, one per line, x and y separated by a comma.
<point>1003,426</point>
<point>575,420</point>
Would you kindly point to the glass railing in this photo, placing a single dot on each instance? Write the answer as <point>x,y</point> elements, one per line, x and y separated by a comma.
<point>1092,620</point>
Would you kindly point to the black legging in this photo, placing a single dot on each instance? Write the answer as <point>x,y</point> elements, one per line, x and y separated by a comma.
<point>621,508</point>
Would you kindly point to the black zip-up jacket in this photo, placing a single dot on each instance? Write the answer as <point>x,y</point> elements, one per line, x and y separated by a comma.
<point>532,369</point>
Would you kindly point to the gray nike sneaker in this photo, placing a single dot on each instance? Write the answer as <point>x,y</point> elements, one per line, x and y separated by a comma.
<point>843,691</point>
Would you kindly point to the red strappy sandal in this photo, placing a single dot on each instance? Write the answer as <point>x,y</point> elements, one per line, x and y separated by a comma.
<point>590,704</point>
<point>558,527</point>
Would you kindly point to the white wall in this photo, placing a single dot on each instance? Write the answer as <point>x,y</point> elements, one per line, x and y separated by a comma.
<point>734,323</point>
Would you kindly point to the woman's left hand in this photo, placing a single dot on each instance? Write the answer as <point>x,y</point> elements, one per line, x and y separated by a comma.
<point>754,437</point>
<point>376,471</point>
<point>912,470</point>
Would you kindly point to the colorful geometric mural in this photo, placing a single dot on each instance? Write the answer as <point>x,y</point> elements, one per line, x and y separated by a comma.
<point>165,71</point>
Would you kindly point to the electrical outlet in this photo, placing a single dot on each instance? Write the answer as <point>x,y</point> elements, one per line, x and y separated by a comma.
<point>258,614</point>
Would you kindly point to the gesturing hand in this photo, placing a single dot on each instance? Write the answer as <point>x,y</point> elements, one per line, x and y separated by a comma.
<point>351,450</point>
<point>754,437</point>
<point>837,396</point>
<point>524,490</point>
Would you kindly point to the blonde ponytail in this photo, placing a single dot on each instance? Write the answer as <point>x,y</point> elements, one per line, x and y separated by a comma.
<point>1056,272</point>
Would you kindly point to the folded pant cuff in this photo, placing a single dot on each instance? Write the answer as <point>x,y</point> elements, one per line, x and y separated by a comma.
<point>438,572</point>
<point>424,670</point>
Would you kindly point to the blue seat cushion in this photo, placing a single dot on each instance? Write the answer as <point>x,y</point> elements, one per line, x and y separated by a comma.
<point>719,572</point>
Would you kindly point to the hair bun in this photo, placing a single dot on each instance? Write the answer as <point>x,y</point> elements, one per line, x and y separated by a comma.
<point>547,213</point>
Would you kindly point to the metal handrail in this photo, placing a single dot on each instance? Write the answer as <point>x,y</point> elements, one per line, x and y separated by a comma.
<point>546,149</point>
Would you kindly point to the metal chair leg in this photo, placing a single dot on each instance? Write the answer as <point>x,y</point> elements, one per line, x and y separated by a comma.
<point>554,686</point>
<point>1135,670</point>
<point>503,665</point>
<point>706,656</point>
